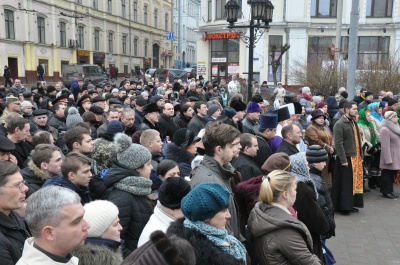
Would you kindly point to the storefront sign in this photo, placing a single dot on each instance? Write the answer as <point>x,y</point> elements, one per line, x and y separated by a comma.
<point>99,56</point>
<point>201,68</point>
<point>83,53</point>
<point>218,60</point>
<point>221,36</point>
<point>233,68</point>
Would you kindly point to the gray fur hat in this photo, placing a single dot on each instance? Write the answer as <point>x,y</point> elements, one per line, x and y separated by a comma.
<point>130,155</point>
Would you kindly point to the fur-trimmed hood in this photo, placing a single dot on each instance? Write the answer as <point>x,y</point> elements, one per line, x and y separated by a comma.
<point>91,254</point>
<point>34,175</point>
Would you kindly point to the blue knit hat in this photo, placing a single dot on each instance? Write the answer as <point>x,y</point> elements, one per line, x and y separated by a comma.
<point>253,107</point>
<point>229,112</point>
<point>204,201</point>
<point>114,127</point>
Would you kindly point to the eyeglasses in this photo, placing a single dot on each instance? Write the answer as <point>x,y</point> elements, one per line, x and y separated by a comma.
<point>18,186</point>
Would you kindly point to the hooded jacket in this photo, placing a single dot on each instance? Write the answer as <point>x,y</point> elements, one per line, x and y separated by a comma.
<point>98,251</point>
<point>134,210</point>
<point>211,171</point>
<point>182,157</point>
<point>34,177</point>
<point>83,192</point>
<point>279,238</point>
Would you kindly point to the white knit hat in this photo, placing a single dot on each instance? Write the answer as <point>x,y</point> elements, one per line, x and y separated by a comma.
<point>100,214</point>
<point>26,104</point>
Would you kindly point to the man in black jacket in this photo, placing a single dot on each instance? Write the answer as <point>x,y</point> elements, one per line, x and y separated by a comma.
<point>13,231</point>
<point>198,120</point>
<point>291,135</point>
<point>166,122</point>
<point>245,163</point>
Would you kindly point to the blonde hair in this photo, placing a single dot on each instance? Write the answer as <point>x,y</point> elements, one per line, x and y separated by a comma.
<point>274,184</point>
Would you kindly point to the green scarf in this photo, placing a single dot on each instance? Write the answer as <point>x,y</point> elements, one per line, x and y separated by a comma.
<point>362,120</point>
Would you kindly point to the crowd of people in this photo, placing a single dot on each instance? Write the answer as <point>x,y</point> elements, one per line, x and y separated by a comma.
<point>186,173</point>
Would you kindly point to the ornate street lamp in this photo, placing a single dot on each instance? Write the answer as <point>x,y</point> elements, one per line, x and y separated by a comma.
<point>261,16</point>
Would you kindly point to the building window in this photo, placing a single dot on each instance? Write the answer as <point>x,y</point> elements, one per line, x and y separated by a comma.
<point>372,50</point>
<point>123,9</point>
<point>96,40</point>
<point>95,4</point>
<point>79,2</point>
<point>41,30</point>
<point>319,49</point>
<point>9,21</point>
<point>63,34</point>
<point>110,6</point>
<point>379,8</point>
<point>110,41</point>
<point>210,10</point>
<point>145,14</point>
<point>81,40</point>
<point>135,11</point>
<point>124,44</point>
<point>220,9</point>
<point>155,18</point>
<point>223,53</point>
<point>166,22</point>
<point>323,8</point>
<point>135,46</point>
<point>146,44</point>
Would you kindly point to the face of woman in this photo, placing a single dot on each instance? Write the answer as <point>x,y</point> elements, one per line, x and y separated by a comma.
<point>368,116</point>
<point>219,220</point>
<point>394,120</point>
<point>291,194</point>
<point>113,232</point>
<point>325,109</point>
<point>192,148</point>
<point>174,172</point>
<point>320,120</point>
<point>145,170</point>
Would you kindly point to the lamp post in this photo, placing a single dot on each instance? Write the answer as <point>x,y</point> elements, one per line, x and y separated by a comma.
<point>260,16</point>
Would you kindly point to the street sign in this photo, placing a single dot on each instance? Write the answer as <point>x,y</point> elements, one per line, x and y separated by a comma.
<point>170,35</point>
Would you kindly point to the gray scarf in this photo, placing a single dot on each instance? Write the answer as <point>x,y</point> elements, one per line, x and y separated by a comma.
<point>393,127</point>
<point>300,171</point>
<point>136,185</point>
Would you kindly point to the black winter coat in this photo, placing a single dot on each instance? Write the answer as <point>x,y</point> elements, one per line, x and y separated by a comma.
<point>196,124</point>
<point>207,253</point>
<point>34,177</point>
<point>324,200</point>
<point>181,121</point>
<point>13,233</point>
<point>134,210</point>
<point>147,125</point>
<point>139,116</point>
<point>286,147</point>
<point>247,167</point>
<point>167,126</point>
<point>311,214</point>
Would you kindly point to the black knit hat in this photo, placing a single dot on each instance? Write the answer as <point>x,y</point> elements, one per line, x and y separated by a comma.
<point>316,154</point>
<point>368,94</point>
<point>344,94</point>
<point>391,102</point>
<point>172,191</point>
<point>341,103</point>
<point>257,99</point>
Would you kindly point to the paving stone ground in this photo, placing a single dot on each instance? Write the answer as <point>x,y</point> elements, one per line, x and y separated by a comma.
<point>371,236</point>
